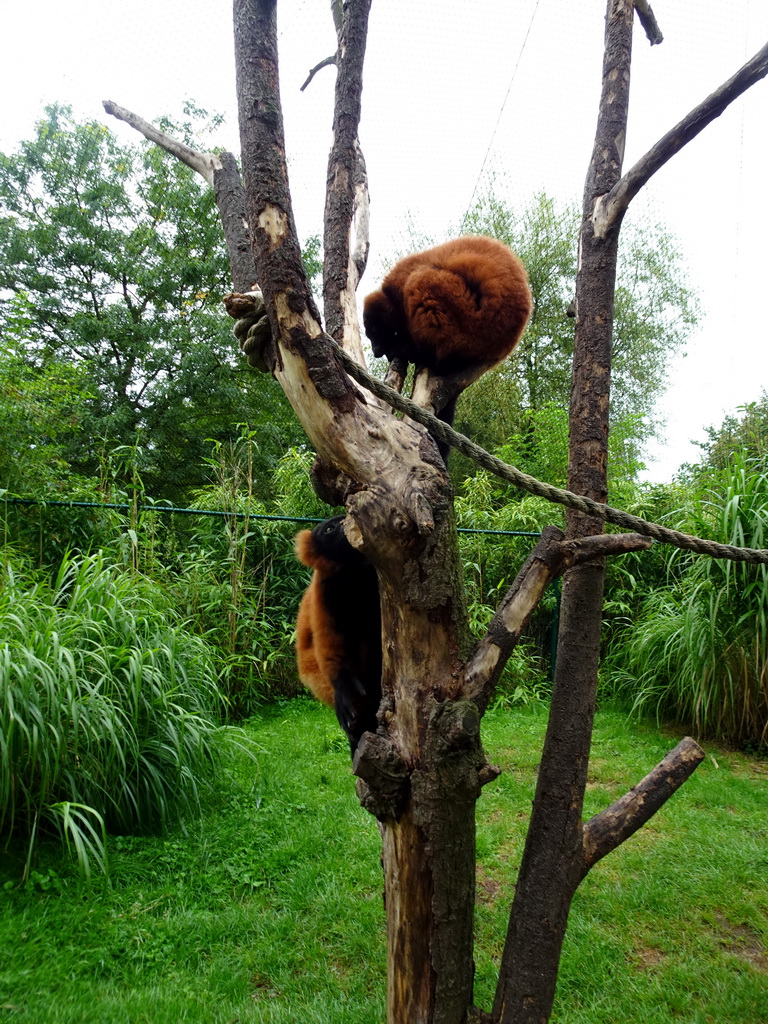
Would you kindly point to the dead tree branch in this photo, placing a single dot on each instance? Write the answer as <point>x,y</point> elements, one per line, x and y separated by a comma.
<point>492,653</point>
<point>319,67</point>
<point>648,20</point>
<point>346,202</point>
<point>609,829</point>
<point>548,560</point>
<point>612,206</point>
<point>587,549</point>
<point>221,172</point>
<point>203,163</point>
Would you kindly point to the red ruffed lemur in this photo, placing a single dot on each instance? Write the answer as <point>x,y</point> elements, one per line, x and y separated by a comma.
<point>338,631</point>
<point>460,305</point>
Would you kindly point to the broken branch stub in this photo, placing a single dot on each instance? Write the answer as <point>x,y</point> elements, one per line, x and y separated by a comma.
<point>611,827</point>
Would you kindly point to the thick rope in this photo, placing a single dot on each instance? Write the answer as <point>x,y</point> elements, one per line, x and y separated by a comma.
<point>436,427</point>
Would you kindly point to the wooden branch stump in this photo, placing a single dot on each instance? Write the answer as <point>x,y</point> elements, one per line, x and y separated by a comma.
<point>625,816</point>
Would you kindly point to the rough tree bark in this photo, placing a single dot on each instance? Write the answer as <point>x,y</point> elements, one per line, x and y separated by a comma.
<point>550,868</point>
<point>559,850</point>
<point>423,769</point>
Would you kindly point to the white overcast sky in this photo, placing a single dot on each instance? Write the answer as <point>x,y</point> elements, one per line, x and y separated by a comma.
<point>449,83</point>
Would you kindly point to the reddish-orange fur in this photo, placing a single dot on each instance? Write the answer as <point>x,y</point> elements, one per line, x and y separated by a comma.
<point>307,553</point>
<point>315,631</point>
<point>463,303</point>
<point>312,622</point>
<point>338,630</point>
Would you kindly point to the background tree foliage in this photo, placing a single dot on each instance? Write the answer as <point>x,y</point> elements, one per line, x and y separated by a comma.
<point>655,313</point>
<point>119,376</point>
<point>112,261</point>
<point>40,417</point>
<point>747,434</point>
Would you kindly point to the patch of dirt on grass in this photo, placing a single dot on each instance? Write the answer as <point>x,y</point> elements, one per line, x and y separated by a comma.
<point>648,957</point>
<point>487,888</point>
<point>744,942</point>
<point>609,785</point>
<point>263,988</point>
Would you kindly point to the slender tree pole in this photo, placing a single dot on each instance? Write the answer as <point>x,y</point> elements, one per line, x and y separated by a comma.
<point>551,867</point>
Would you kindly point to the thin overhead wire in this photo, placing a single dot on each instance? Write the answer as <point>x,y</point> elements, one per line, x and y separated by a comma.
<point>501,114</point>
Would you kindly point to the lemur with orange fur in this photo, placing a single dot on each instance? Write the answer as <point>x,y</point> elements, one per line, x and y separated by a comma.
<point>461,304</point>
<point>338,631</point>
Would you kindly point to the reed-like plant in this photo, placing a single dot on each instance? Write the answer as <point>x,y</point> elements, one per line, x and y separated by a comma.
<point>109,708</point>
<point>699,652</point>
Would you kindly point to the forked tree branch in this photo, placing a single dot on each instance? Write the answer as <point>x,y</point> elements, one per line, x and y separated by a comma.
<point>548,560</point>
<point>609,208</point>
<point>221,172</point>
<point>607,830</point>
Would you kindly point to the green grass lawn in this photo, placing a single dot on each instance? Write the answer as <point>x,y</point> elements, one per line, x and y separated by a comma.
<point>270,910</point>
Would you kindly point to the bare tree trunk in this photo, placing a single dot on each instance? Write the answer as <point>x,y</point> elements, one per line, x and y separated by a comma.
<point>551,867</point>
<point>424,771</point>
<point>346,204</point>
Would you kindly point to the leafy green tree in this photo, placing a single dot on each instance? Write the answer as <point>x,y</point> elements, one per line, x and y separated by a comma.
<point>40,416</point>
<point>112,261</point>
<point>655,312</point>
<point>744,435</point>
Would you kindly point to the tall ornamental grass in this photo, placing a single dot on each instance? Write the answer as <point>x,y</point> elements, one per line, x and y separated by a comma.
<point>699,651</point>
<point>108,708</point>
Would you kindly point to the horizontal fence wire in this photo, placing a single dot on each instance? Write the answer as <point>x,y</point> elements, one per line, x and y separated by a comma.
<point>128,507</point>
